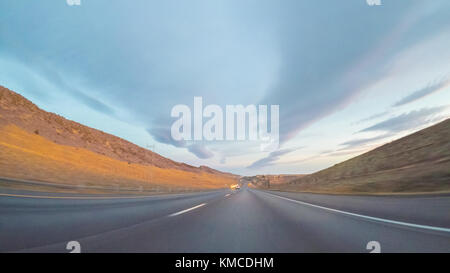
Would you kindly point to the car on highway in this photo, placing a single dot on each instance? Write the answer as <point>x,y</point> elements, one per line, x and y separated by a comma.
<point>235,187</point>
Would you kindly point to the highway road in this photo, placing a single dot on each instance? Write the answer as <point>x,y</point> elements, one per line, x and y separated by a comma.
<point>224,221</point>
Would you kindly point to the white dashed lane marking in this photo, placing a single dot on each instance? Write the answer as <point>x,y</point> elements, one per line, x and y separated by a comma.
<point>186,210</point>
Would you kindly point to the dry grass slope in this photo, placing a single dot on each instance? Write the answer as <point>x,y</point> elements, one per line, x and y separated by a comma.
<point>418,163</point>
<point>32,157</point>
<point>41,146</point>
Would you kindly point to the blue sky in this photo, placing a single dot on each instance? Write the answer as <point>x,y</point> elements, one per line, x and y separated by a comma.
<point>348,76</point>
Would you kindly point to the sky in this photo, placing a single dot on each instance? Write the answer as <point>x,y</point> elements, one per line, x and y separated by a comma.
<point>347,77</point>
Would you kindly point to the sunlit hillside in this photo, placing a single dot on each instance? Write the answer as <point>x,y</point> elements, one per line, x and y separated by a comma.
<point>418,163</point>
<point>39,146</point>
<point>30,156</point>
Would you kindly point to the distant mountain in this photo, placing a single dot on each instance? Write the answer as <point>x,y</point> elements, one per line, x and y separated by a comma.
<point>33,142</point>
<point>417,163</point>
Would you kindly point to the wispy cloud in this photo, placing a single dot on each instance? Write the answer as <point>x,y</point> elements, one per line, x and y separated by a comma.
<point>163,135</point>
<point>346,152</point>
<point>301,93</point>
<point>200,151</point>
<point>45,70</point>
<point>302,55</point>
<point>410,120</point>
<point>270,159</point>
<point>362,141</point>
<point>423,92</point>
<point>372,117</point>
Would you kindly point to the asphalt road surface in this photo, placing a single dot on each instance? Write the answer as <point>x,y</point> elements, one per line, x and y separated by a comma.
<point>247,220</point>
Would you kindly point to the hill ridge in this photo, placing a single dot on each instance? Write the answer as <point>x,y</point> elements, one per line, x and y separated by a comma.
<point>419,162</point>
<point>14,108</point>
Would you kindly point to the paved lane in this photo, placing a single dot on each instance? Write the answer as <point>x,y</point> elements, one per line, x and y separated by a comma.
<point>32,222</point>
<point>245,221</point>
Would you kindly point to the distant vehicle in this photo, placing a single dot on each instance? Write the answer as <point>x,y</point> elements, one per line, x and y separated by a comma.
<point>235,187</point>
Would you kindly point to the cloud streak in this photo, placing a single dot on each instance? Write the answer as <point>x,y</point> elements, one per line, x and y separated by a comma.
<point>301,55</point>
<point>314,81</point>
<point>372,117</point>
<point>163,135</point>
<point>200,151</point>
<point>270,159</point>
<point>423,92</point>
<point>407,121</point>
<point>362,141</point>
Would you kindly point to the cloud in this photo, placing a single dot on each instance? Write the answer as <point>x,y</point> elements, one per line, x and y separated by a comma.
<point>362,141</point>
<point>200,151</point>
<point>163,135</point>
<point>372,117</point>
<point>270,159</point>
<point>45,70</point>
<point>344,152</point>
<point>92,103</point>
<point>407,121</point>
<point>316,79</point>
<point>423,92</point>
<point>301,55</point>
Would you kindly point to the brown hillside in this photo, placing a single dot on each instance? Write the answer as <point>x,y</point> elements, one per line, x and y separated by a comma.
<point>417,163</point>
<point>38,145</point>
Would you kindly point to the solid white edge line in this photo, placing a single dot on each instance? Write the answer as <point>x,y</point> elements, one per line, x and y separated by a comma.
<point>92,197</point>
<point>365,216</point>
<point>78,197</point>
<point>226,195</point>
<point>186,210</point>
